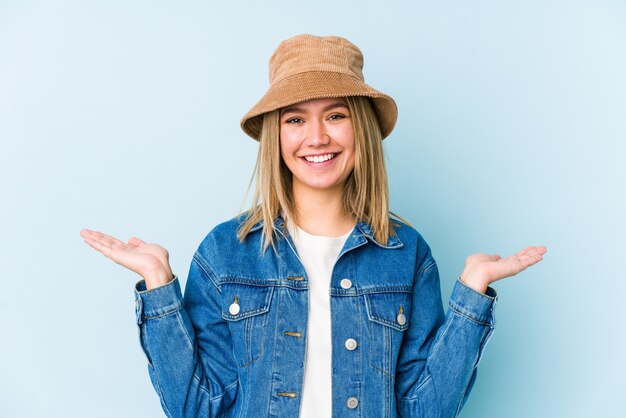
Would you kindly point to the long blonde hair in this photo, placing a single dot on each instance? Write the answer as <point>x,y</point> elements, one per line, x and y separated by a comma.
<point>366,193</point>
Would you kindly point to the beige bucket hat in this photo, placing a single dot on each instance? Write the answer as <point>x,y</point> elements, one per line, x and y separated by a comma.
<point>308,67</point>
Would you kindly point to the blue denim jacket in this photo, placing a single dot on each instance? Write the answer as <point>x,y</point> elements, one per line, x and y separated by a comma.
<point>234,346</point>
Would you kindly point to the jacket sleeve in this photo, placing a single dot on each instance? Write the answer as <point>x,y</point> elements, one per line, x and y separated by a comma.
<point>440,354</point>
<point>187,344</point>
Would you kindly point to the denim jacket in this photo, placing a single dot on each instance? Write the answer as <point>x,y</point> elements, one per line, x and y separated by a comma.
<point>235,345</point>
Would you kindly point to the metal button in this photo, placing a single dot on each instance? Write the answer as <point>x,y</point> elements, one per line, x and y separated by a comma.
<point>234,309</point>
<point>352,402</point>
<point>351,344</point>
<point>346,283</point>
<point>401,319</point>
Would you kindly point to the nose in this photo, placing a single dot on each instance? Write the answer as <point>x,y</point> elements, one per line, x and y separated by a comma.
<point>317,135</point>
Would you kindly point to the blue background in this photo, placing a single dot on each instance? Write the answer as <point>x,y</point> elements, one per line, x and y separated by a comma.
<point>124,117</point>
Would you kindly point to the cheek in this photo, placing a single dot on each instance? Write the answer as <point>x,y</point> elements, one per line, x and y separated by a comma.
<point>345,137</point>
<point>282,141</point>
<point>287,149</point>
<point>350,164</point>
<point>283,138</point>
<point>350,148</point>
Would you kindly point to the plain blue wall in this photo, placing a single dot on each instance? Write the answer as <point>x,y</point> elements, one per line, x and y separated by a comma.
<point>123,116</point>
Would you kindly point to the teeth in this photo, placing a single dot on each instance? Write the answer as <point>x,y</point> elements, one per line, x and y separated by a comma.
<point>319,158</point>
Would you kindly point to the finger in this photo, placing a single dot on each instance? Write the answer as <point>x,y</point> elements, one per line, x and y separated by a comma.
<point>109,246</point>
<point>100,236</point>
<point>515,263</point>
<point>104,249</point>
<point>533,249</point>
<point>518,262</point>
<point>530,258</point>
<point>524,251</point>
<point>536,253</point>
<point>108,238</point>
<point>88,233</point>
<point>111,242</point>
<point>510,266</point>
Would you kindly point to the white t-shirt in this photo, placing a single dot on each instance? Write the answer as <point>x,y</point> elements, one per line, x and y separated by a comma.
<point>318,255</point>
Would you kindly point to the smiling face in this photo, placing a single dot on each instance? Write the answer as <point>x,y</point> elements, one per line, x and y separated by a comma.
<point>317,144</point>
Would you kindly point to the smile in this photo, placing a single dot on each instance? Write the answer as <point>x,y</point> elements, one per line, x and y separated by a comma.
<point>320,158</point>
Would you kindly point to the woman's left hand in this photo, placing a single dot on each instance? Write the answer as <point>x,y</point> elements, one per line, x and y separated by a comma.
<point>483,269</point>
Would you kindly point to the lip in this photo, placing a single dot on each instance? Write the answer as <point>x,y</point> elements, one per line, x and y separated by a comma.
<point>323,164</point>
<point>321,153</point>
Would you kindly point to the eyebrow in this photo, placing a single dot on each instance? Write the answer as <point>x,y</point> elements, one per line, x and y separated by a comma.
<point>296,109</point>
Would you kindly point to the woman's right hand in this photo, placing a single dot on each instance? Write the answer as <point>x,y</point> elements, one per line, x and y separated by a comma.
<point>150,261</point>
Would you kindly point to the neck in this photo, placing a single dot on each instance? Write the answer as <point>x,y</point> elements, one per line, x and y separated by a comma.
<point>321,212</point>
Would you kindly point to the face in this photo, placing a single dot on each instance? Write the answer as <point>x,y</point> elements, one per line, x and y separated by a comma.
<point>317,143</point>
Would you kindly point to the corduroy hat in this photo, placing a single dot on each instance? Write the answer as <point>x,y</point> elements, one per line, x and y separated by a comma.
<point>308,67</point>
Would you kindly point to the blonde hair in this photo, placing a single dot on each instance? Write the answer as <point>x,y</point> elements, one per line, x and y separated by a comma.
<point>366,193</point>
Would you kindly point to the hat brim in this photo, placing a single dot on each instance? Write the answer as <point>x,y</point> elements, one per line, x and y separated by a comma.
<point>318,85</point>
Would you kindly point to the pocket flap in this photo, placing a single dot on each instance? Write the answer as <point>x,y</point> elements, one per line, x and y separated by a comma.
<point>250,300</point>
<point>389,308</point>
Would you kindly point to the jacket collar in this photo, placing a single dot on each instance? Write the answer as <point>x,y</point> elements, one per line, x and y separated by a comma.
<point>362,229</point>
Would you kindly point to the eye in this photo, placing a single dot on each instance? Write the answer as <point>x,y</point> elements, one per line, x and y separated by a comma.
<point>294,120</point>
<point>336,116</point>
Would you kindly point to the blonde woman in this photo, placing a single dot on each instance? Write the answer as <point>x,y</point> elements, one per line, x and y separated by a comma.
<point>318,301</point>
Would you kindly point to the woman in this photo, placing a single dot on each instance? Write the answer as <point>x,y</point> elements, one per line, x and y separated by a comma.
<point>257,333</point>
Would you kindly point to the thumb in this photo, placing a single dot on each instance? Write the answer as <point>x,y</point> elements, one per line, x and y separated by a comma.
<point>135,242</point>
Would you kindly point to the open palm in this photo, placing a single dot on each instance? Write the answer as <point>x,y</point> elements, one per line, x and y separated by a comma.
<point>485,269</point>
<point>150,261</point>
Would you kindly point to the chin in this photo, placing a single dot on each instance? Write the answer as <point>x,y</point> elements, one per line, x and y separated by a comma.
<point>323,185</point>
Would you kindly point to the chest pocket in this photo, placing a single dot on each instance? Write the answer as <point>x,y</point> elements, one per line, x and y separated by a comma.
<point>245,307</point>
<point>388,315</point>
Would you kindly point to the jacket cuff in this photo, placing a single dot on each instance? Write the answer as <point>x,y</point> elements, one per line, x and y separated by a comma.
<point>476,306</point>
<point>158,301</point>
